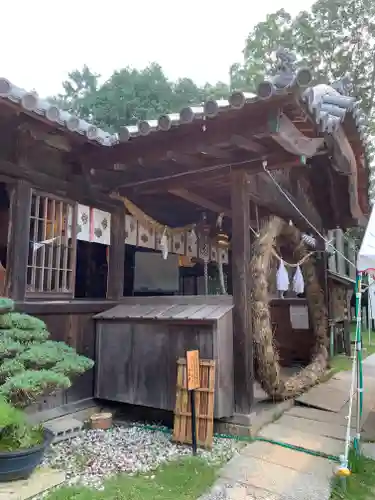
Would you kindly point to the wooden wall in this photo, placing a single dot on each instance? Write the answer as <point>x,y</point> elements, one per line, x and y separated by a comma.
<point>137,362</point>
<point>72,323</point>
<point>294,346</point>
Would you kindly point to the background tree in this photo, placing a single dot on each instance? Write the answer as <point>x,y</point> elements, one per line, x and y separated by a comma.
<point>130,95</point>
<point>335,38</point>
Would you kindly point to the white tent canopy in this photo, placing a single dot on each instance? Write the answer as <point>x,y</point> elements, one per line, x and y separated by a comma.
<point>366,255</point>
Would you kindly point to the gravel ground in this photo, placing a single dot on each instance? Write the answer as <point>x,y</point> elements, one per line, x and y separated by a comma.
<point>96,455</point>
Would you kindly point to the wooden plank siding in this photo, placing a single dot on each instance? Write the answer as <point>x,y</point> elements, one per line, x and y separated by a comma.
<point>137,356</point>
<point>73,323</point>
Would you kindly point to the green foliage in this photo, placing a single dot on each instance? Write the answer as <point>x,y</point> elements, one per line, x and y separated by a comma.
<point>26,322</point>
<point>73,365</point>
<point>24,388</point>
<point>9,347</point>
<point>130,95</point>
<point>6,321</point>
<point>10,367</point>
<point>31,365</point>
<point>10,415</point>
<point>6,304</point>
<point>15,432</point>
<point>41,356</point>
<point>27,336</point>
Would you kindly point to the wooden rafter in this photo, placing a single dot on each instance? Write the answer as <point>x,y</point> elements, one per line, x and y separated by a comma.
<point>187,139</point>
<point>263,191</point>
<point>248,144</point>
<point>181,179</point>
<point>200,201</point>
<point>217,152</point>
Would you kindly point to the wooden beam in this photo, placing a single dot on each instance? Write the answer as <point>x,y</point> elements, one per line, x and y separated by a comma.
<point>263,191</point>
<point>187,139</point>
<point>18,240</point>
<point>180,179</point>
<point>76,190</point>
<point>216,152</point>
<point>116,261</point>
<point>241,283</point>
<point>247,144</point>
<point>200,201</point>
<point>183,159</point>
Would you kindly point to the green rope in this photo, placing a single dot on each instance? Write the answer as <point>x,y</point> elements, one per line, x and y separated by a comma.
<point>249,439</point>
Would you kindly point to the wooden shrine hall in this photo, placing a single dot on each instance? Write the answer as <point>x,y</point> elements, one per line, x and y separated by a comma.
<point>195,188</point>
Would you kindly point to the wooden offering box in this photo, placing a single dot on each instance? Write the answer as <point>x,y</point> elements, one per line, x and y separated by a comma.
<point>140,341</point>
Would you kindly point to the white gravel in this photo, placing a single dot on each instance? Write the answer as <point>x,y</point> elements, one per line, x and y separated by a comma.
<point>96,455</point>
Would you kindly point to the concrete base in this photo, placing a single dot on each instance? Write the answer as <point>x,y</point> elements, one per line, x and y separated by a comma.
<point>250,425</point>
<point>64,428</point>
<point>42,480</point>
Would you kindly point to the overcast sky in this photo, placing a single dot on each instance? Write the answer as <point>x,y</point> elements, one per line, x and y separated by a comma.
<point>42,41</point>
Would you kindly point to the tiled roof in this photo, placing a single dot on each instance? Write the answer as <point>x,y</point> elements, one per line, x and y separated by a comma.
<point>32,103</point>
<point>330,108</point>
<point>325,103</point>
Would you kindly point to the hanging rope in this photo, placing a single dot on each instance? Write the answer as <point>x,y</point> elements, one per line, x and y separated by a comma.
<point>289,264</point>
<point>147,221</point>
<point>327,242</point>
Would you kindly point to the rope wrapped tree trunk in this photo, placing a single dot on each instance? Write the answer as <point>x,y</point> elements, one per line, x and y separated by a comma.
<point>265,350</point>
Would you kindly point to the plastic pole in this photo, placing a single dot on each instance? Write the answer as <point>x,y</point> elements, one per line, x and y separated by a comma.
<point>358,360</point>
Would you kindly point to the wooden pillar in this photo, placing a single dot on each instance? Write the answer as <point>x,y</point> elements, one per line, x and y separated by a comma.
<point>116,261</point>
<point>18,240</point>
<point>241,283</point>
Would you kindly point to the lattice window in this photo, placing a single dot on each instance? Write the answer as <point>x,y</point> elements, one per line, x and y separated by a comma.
<point>52,247</point>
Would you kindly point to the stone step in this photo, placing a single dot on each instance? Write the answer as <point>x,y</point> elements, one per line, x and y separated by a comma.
<point>316,415</point>
<point>305,440</point>
<point>41,480</point>
<point>298,461</point>
<point>330,396</point>
<point>282,482</point>
<point>64,428</point>
<point>237,491</point>
<point>312,427</point>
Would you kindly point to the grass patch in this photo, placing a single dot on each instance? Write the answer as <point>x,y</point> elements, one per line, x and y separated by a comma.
<point>186,479</point>
<point>341,362</point>
<point>360,485</point>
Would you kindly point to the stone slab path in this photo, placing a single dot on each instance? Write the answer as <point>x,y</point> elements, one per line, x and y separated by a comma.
<point>265,471</point>
<point>42,480</point>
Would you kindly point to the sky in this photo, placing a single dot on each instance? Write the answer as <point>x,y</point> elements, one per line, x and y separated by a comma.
<point>43,41</point>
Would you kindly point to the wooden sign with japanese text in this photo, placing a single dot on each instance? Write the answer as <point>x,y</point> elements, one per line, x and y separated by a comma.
<point>193,375</point>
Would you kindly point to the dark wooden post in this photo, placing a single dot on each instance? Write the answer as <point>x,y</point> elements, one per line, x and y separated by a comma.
<point>241,283</point>
<point>115,282</point>
<point>18,240</point>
